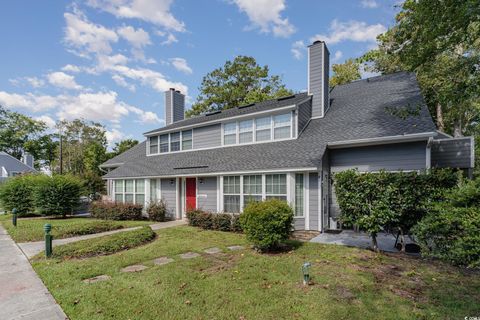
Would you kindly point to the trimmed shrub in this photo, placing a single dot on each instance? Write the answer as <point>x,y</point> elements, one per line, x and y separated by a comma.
<point>451,234</point>
<point>222,221</point>
<point>17,192</point>
<point>205,220</point>
<point>268,223</point>
<point>236,225</point>
<point>57,195</point>
<point>108,210</point>
<point>104,245</point>
<point>192,217</point>
<point>157,211</point>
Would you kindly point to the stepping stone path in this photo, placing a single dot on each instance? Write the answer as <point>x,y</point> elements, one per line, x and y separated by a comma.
<point>213,250</point>
<point>189,255</point>
<point>134,268</point>
<point>236,248</point>
<point>103,277</point>
<point>162,260</point>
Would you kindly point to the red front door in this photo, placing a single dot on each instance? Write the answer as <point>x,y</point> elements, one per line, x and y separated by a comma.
<point>191,193</point>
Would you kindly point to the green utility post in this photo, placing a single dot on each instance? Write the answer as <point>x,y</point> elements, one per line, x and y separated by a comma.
<point>48,240</point>
<point>306,273</point>
<point>14,217</point>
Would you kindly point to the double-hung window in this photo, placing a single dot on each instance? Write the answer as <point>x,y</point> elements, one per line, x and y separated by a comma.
<point>164,143</point>
<point>299,195</point>
<point>245,131</point>
<point>231,194</point>
<point>153,145</point>
<point>252,188</point>
<point>118,190</point>
<point>282,125</point>
<point>175,141</point>
<point>140,191</point>
<point>187,140</point>
<point>230,133</point>
<point>276,186</point>
<point>263,128</point>
<point>129,190</point>
<point>153,190</point>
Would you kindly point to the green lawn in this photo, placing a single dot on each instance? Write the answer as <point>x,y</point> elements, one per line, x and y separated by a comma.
<point>29,229</point>
<point>348,283</point>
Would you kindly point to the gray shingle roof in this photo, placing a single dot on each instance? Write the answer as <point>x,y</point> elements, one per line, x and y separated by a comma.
<point>242,110</point>
<point>357,111</point>
<point>12,164</point>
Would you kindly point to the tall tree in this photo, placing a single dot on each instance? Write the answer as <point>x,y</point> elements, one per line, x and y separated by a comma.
<point>439,40</point>
<point>122,146</point>
<point>238,82</point>
<point>19,132</point>
<point>345,73</point>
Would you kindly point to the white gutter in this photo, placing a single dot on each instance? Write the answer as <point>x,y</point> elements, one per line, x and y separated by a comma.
<point>381,140</point>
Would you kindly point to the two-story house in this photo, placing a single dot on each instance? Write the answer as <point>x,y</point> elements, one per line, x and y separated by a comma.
<point>287,148</point>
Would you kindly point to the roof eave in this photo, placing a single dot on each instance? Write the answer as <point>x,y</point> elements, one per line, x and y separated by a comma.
<point>382,140</point>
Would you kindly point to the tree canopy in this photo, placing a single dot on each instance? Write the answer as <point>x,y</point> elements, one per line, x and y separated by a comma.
<point>238,82</point>
<point>122,146</point>
<point>345,72</point>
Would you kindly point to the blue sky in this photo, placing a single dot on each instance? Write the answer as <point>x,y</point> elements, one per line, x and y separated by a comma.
<point>110,60</point>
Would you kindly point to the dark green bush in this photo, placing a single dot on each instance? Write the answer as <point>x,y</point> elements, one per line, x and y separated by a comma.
<point>157,211</point>
<point>192,217</point>
<point>57,195</point>
<point>17,192</point>
<point>236,225</point>
<point>116,210</point>
<point>104,245</point>
<point>205,220</point>
<point>222,221</point>
<point>466,195</point>
<point>451,234</point>
<point>268,223</point>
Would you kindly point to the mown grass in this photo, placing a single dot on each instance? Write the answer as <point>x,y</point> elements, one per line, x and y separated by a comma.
<point>31,229</point>
<point>348,283</point>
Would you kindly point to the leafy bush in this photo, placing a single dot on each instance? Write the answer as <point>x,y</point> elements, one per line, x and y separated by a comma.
<point>192,217</point>
<point>157,211</point>
<point>104,245</point>
<point>236,225</point>
<point>205,220</point>
<point>466,195</point>
<point>17,192</point>
<point>107,210</point>
<point>222,222</point>
<point>57,195</point>
<point>452,234</point>
<point>268,223</point>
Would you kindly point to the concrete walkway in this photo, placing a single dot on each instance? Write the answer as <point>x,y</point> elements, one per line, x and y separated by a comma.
<point>31,249</point>
<point>350,238</point>
<point>22,294</point>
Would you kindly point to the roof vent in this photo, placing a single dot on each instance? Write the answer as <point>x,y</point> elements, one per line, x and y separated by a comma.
<point>213,112</point>
<point>286,98</point>
<point>246,106</point>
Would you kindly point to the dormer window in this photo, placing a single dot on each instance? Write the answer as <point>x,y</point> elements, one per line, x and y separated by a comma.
<point>245,131</point>
<point>164,143</point>
<point>153,145</point>
<point>263,129</point>
<point>175,141</point>
<point>230,133</point>
<point>187,140</point>
<point>282,125</point>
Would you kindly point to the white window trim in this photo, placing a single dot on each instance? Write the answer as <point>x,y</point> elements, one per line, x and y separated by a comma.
<point>134,193</point>
<point>304,196</point>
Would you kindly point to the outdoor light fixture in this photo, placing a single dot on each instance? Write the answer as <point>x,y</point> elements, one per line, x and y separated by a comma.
<point>172,181</point>
<point>200,180</point>
<point>306,273</point>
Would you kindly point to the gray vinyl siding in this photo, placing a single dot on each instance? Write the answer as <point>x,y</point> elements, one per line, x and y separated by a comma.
<point>392,157</point>
<point>304,114</point>
<point>168,192</point>
<point>299,223</point>
<point>207,136</point>
<point>452,153</point>
<point>207,194</point>
<point>168,108</point>
<point>318,82</point>
<point>174,107</point>
<point>313,200</point>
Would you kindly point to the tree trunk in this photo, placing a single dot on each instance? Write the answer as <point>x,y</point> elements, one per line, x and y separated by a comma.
<point>457,128</point>
<point>440,122</point>
<point>374,242</point>
<point>402,240</point>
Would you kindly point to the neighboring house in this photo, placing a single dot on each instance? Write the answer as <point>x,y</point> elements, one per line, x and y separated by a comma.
<point>286,148</point>
<point>10,166</point>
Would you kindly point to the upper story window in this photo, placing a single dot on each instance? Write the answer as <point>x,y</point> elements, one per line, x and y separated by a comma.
<point>269,128</point>
<point>187,140</point>
<point>175,141</point>
<point>164,143</point>
<point>153,145</point>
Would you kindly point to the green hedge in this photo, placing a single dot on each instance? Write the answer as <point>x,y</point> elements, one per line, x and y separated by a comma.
<point>213,221</point>
<point>17,193</point>
<point>108,210</point>
<point>267,224</point>
<point>104,245</point>
<point>57,195</point>
<point>157,211</point>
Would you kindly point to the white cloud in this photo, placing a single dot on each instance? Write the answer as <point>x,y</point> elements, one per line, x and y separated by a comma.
<point>170,39</point>
<point>154,11</point>
<point>113,136</point>
<point>337,56</point>
<point>29,101</point>
<point>369,4</point>
<point>352,30</point>
<point>181,65</point>
<point>32,81</point>
<point>123,83</point>
<point>146,116</point>
<point>86,37</point>
<point>266,15</point>
<point>63,80</point>
<point>137,38</point>
<point>71,68</point>
<point>47,120</point>
<point>298,49</point>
